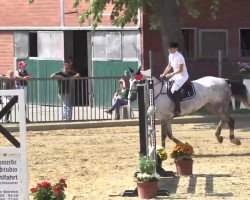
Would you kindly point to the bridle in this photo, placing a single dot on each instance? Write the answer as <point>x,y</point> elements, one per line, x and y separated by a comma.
<point>159,81</point>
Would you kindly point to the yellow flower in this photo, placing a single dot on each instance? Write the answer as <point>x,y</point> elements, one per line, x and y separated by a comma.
<point>162,154</point>
<point>182,151</point>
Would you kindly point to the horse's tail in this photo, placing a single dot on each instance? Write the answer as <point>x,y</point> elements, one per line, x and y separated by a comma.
<point>240,92</point>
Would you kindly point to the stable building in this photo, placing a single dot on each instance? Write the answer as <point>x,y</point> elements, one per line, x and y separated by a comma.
<point>46,32</point>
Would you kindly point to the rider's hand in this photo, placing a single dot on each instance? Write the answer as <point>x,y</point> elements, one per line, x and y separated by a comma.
<point>162,75</point>
<point>168,75</point>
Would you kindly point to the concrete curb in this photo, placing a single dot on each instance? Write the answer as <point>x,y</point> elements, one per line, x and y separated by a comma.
<point>119,123</point>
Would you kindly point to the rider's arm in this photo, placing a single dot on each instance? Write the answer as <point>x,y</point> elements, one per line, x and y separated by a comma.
<point>166,70</point>
<point>179,70</point>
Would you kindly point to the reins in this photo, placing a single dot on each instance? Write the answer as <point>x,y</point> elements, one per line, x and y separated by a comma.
<point>160,81</point>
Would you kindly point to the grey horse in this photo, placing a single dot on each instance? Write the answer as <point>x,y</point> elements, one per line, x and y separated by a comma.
<point>213,93</point>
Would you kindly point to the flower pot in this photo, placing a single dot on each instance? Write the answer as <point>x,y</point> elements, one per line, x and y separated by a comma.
<point>147,190</point>
<point>184,167</point>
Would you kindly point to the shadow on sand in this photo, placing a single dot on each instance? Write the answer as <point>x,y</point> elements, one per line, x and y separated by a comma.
<point>171,184</point>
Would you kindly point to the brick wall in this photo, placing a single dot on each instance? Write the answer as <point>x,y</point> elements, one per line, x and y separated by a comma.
<point>6,51</point>
<point>43,13</point>
<point>20,13</point>
<point>233,15</point>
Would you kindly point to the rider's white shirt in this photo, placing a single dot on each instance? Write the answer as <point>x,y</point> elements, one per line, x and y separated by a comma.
<point>175,60</point>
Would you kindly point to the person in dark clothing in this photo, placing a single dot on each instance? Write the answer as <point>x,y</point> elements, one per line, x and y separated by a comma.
<point>23,76</point>
<point>70,61</point>
<point>64,77</point>
<point>120,98</point>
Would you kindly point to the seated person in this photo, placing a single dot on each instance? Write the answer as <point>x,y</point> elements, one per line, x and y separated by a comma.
<point>120,99</point>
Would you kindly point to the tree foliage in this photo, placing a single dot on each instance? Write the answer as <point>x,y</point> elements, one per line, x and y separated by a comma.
<point>162,14</point>
<point>126,11</point>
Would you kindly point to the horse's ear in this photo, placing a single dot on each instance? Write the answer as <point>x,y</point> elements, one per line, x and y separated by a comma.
<point>131,70</point>
<point>137,72</point>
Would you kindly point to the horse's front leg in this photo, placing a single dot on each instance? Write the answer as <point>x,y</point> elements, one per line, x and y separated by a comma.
<point>166,130</point>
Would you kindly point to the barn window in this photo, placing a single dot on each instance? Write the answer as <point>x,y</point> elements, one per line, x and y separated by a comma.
<point>211,41</point>
<point>99,45</point>
<point>42,44</point>
<point>21,40</point>
<point>189,42</point>
<point>50,44</point>
<point>245,42</point>
<point>130,45</point>
<point>115,45</point>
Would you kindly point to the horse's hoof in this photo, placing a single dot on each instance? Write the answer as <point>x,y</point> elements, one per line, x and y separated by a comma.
<point>220,139</point>
<point>236,141</point>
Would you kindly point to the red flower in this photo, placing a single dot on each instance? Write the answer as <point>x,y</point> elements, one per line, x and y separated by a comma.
<point>45,184</point>
<point>62,181</point>
<point>33,190</point>
<point>39,185</point>
<point>57,191</point>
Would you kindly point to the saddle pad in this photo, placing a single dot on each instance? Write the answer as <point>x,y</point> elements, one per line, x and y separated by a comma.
<point>187,92</point>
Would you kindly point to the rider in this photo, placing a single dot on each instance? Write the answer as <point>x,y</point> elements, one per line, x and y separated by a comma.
<point>179,74</point>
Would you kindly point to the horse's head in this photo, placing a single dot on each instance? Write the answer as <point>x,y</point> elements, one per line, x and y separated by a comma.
<point>135,79</point>
<point>132,95</point>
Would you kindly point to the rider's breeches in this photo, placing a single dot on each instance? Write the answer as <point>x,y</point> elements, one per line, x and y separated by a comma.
<point>178,83</point>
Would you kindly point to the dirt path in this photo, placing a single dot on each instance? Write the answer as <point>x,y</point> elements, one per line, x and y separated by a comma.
<point>99,163</point>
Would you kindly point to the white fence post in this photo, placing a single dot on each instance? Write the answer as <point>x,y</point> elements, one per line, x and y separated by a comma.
<point>13,160</point>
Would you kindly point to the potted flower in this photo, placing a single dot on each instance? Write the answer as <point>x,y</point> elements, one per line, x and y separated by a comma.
<point>147,178</point>
<point>46,191</point>
<point>244,70</point>
<point>182,153</point>
<point>161,155</point>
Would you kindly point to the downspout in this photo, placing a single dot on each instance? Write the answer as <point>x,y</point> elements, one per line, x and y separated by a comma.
<point>62,13</point>
<point>141,39</point>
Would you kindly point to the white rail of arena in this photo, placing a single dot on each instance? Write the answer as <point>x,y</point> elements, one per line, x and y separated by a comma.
<point>13,160</point>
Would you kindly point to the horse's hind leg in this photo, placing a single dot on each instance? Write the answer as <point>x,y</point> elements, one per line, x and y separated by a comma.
<point>218,131</point>
<point>224,118</point>
<point>230,122</point>
<point>166,130</point>
<point>214,111</point>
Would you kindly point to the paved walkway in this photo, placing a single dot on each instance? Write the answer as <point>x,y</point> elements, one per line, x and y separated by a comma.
<point>119,123</point>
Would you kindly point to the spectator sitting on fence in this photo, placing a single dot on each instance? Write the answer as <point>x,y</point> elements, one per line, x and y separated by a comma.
<point>8,84</point>
<point>120,98</point>
<point>64,94</point>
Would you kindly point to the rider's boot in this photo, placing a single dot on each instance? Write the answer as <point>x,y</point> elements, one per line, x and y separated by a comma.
<point>177,109</point>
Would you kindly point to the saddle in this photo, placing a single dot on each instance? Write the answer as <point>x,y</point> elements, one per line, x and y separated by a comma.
<point>187,91</point>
